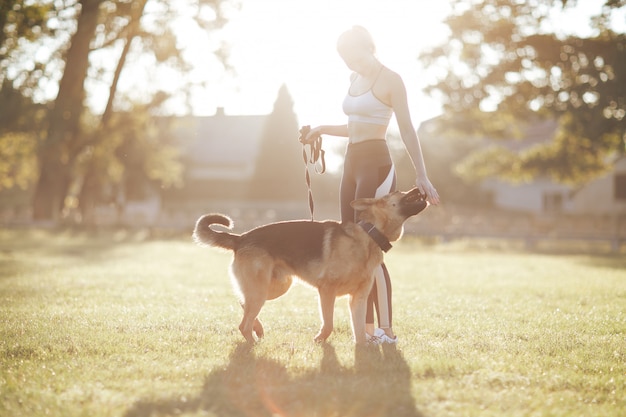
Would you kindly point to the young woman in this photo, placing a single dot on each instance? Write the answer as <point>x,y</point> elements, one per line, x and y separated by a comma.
<point>375,93</point>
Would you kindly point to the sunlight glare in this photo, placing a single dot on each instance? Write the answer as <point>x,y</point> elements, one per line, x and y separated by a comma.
<point>275,42</point>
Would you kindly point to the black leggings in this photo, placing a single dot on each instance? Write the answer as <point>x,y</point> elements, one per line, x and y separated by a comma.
<point>369,172</point>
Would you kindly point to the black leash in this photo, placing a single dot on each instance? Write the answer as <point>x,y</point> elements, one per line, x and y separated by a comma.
<point>316,153</point>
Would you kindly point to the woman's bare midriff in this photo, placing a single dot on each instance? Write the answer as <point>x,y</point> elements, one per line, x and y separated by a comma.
<point>360,132</point>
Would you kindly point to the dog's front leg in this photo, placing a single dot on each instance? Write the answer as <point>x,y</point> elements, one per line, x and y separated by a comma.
<point>358,308</point>
<point>327,308</point>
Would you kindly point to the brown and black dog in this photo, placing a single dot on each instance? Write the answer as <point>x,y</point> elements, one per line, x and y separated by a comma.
<point>336,258</point>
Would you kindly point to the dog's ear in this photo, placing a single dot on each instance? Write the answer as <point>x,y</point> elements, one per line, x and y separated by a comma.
<point>361,204</point>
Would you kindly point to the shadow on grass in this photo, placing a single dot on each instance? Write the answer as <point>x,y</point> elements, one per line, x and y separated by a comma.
<point>607,262</point>
<point>378,385</point>
<point>73,242</point>
<point>22,247</point>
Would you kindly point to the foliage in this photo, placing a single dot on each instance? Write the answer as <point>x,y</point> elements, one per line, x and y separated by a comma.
<point>26,26</point>
<point>441,156</point>
<point>505,59</point>
<point>21,125</point>
<point>67,46</point>
<point>18,163</point>
<point>147,151</point>
<point>136,158</point>
<point>116,325</point>
<point>35,37</point>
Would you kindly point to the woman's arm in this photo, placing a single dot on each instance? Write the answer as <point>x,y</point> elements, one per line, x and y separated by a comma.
<point>332,130</point>
<point>409,137</point>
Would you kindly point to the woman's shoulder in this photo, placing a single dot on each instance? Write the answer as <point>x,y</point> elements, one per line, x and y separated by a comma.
<point>390,74</point>
<point>392,79</point>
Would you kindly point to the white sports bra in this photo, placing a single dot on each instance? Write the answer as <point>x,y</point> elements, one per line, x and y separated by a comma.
<point>367,108</point>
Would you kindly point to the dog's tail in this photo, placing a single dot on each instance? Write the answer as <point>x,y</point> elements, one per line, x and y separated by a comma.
<point>204,235</point>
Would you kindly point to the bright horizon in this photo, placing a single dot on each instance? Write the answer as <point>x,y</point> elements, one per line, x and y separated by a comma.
<point>275,42</point>
<point>311,68</point>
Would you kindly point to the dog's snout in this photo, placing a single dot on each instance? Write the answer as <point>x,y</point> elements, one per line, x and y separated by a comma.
<point>414,196</point>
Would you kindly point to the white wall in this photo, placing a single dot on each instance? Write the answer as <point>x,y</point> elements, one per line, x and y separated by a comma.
<point>598,197</point>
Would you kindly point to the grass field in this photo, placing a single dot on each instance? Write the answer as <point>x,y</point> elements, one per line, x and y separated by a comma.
<point>118,325</point>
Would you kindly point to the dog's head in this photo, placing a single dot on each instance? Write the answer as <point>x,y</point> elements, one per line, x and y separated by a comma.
<point>389,213</point>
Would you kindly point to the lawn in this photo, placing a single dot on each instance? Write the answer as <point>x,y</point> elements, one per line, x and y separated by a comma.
<point>117,324</point>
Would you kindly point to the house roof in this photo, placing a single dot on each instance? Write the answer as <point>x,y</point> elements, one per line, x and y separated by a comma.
<point>221,146</point>
<point>531,133</point>
<point>537,132</point>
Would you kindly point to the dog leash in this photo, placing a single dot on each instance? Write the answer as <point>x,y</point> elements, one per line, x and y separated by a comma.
<point>316,153</point>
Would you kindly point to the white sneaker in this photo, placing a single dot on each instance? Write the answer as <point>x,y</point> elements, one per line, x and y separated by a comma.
<point>387,339</point>
<point>382,336</point>
<point>378,332</point>
<point>374,339</point>
<point>379,337</point>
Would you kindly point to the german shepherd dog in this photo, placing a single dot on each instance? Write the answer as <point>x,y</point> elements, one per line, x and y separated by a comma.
<point>336,258</point>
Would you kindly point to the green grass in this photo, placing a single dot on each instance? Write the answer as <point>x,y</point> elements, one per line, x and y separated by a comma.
<point>118,325</point>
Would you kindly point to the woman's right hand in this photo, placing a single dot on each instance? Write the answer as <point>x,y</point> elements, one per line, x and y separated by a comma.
<point>309,135</point>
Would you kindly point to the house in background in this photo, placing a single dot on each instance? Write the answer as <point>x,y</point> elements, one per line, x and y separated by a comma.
<point>602,196</point>
<point>534,211</point>
<point>219,153</point>
<point>542,195</point>
<point>248,166</point>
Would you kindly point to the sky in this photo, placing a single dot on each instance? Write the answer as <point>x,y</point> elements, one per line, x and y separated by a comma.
<point>275,42</point>
<point>293,42</point>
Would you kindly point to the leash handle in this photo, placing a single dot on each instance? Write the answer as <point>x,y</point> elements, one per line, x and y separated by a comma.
<point>316,153</point>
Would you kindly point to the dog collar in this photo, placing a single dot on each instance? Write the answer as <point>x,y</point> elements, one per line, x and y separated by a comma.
<point>376,235</point>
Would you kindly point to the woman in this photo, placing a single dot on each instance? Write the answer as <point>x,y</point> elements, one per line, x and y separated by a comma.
<point>375,93</point>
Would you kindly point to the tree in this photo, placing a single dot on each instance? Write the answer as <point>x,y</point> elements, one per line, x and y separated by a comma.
<point>62,143</point>
<point>21,120</point>
<point>279,170</point>
<point>93,25</point>
<point>20,19</point>
<point>505,67</point>
<point>135,158</point>
<point>20,124</point>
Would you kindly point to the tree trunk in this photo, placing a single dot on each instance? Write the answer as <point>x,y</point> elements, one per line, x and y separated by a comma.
<point>63,138</point>
<point>88,193</point>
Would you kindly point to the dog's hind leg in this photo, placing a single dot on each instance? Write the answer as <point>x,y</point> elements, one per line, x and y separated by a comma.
<point>250,322</point>
<point>327,308</point>
<point>257,326</point>
<point>253,277</point>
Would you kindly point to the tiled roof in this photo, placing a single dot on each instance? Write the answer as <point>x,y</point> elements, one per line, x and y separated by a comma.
<point>221,146</point>
<point>535,132</point>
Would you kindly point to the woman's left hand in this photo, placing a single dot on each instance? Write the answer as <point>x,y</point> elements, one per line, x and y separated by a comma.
<point>427,188</point>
